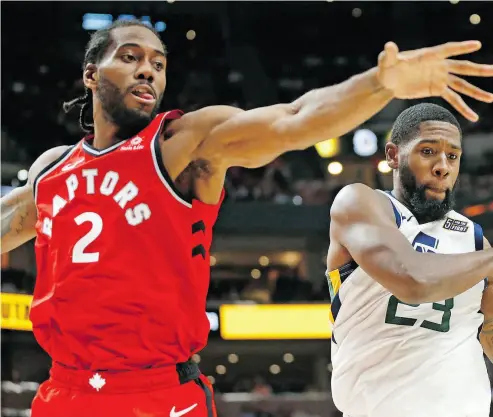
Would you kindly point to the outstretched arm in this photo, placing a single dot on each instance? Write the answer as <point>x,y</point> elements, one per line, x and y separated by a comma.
<point>221,136</point>
<point>255,137</point>
<point>362,221</point>
<point>218,137</point>
<point>486,335</point>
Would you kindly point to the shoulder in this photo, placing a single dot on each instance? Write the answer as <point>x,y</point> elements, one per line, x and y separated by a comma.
<point>46,159</point>
<point>357,199</point>
<point>182,138</point>
<point>209,116</point>
<point>191,129</point>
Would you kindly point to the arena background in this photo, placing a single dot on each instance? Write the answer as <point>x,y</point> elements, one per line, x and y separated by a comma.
<point>269,350</point>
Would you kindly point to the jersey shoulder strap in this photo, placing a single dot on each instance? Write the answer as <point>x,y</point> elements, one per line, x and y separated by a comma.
<point>52,166</point>
<point>157,126</point>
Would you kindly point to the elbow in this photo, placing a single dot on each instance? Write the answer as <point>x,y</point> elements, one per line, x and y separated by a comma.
<point>413,293</point>
<point>397,274</point>
<point>414,290</point>
<point>411,290</point>
<point>294,128</point>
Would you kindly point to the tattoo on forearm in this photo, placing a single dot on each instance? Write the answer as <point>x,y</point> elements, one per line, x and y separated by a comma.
<point>14,217</point>
<point>7,214</point>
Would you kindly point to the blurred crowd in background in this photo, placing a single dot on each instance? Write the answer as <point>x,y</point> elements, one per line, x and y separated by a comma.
<point>248,55</point>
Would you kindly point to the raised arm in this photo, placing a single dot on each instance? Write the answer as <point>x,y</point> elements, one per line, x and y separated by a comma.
<point>255,137</point>
<point>18,208</point>
<point>220,136</point>
<point>486,335</point>
<point>362,221</point>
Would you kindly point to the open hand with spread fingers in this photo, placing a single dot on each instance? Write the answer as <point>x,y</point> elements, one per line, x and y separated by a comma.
<point>429,72</point>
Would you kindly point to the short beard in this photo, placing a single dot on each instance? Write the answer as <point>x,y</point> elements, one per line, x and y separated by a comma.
<point>424,209</point>
<point>129,121</point>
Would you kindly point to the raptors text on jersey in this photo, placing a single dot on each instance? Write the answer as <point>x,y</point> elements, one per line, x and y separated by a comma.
<point>120,283</point>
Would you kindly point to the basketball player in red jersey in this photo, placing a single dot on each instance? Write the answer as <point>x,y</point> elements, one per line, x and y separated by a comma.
<point>123,218</point>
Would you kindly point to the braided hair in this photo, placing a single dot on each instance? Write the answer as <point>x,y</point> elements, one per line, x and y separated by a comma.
<point>95,50</point>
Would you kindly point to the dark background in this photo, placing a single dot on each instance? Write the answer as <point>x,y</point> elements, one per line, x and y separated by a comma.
<point>246,54</point>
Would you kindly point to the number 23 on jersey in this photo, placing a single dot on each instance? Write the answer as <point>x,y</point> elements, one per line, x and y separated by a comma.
<point>422,243</point>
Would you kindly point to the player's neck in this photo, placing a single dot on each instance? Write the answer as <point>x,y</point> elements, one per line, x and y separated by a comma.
<point>104,132</point>
<point>398,193</point>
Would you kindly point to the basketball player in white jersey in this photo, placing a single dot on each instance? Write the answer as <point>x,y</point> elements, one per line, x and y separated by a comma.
<point>408,278</point>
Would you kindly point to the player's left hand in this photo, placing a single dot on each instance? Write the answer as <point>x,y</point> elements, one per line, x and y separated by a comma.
<point>428,72</point>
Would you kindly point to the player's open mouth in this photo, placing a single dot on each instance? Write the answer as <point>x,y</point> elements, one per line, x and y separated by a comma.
<point>144,95</point>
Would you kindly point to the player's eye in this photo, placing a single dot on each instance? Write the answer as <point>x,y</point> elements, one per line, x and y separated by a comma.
<point>128,58</point>
<point>427,151</point>
<point>158,65</point>
<point>453,156</point>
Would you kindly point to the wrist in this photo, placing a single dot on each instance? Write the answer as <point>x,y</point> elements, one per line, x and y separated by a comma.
<point>378,84</point>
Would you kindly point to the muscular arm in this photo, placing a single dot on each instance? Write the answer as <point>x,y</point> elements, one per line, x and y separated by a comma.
<point>255,137</point>
<point>486,335</point>
<point>18,208</point>
<point>221,136</point>
<point>362,221</point>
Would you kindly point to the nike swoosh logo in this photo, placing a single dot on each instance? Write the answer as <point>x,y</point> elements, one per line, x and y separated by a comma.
<point>72,165</point>
<point>174,413</point>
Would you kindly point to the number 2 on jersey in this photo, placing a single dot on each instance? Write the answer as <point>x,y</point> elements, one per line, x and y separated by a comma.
<point>392,318</point>
<point>78,254</point>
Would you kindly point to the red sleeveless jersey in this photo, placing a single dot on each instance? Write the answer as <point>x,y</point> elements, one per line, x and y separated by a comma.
<point>122,258</point>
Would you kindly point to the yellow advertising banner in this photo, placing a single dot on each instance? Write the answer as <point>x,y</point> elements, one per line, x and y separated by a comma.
<point>275,322</point>
<point>15,311</point>
<point>237,322</point>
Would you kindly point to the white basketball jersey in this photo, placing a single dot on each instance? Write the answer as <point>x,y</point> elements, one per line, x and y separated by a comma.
<point>391,359</point>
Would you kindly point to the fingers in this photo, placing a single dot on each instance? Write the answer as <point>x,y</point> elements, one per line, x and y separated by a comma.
<point>469,68</point>
<point>464,87</point>
<point>455,48</point>
<point>456,101</point>
<point>391,49</point>
<point>388,56</point>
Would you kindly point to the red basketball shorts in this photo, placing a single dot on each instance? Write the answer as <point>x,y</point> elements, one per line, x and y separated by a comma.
<point>157,392</point>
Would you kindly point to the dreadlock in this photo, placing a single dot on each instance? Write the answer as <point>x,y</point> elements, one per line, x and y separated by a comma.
<point>95,50</point>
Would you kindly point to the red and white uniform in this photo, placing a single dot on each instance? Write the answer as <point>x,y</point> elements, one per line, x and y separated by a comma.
<point>123,258</point>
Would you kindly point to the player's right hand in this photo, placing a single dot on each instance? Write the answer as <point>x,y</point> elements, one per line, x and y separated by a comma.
<point>429,72</point>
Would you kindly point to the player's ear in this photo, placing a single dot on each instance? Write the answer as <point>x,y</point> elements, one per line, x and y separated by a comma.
<point>392,155</point>
<point>90,76</point>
